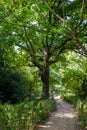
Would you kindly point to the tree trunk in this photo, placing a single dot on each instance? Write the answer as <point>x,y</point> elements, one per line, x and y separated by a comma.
<point>45,82</point>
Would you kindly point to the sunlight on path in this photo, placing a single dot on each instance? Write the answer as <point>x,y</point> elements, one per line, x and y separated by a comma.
<point>63,119</point>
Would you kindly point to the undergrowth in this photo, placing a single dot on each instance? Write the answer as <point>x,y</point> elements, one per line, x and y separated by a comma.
<point>26,115</point>
<point>81,107</point>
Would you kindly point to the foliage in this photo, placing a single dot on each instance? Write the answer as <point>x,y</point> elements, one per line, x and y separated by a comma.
<point>74,83</point>
<point>26,114</point>
<point>71,98</point>
<point>15,85</point>
<point>82,112</point>
<point>73,19</point>
<point>80,107</point>
<point>74,73</point>
<point>41,31</point>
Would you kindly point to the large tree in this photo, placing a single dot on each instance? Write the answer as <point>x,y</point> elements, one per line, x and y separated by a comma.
<point>36,28</point>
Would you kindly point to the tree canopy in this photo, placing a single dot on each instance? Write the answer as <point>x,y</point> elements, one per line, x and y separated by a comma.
<point>40,31</point>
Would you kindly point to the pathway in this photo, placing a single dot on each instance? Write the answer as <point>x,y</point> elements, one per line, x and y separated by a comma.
<point>64,118</point>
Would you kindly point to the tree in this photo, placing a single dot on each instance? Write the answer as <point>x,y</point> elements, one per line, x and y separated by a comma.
<point>40,33</point>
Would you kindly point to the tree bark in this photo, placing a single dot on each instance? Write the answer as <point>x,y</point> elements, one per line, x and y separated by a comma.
<point>45,82</point>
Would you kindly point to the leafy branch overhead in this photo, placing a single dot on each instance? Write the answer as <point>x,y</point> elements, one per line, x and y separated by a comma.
<point>43,31</point>
<point>82,22</point>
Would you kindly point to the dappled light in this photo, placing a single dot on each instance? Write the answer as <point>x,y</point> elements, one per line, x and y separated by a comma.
<point>63,119</point>
<point>65,115</point>
<point>44,126</point>
<point>43,53</point>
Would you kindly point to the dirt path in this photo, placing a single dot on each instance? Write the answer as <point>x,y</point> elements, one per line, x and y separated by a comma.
<point>63,119</point>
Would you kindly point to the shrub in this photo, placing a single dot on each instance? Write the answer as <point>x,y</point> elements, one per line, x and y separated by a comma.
<point>13,86</point>
<point>81,107</point>
<point>25,115</point>
<point>71,98</point>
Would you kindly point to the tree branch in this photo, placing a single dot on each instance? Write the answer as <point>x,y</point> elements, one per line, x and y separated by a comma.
<point>37,64</point>
<point>27,38</point>
<point>80,52</point>
<point>54,12</point>
<point>33,58</point>
<point>57,57</point>
<point>23,47</point>
<point>61,49</point>
<point>69,29</point>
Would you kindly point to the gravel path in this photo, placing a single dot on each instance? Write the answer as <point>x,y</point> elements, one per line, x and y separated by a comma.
<point>63,119</point>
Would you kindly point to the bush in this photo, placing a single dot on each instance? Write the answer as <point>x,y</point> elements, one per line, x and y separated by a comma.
<point>44,108</point>
<point>71,98</point>
<point>13,86</point>
<point>82,113</point>
<point>25,115</point>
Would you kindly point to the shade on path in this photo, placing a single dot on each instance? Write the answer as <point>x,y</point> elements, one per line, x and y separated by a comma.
<point>65,118</point>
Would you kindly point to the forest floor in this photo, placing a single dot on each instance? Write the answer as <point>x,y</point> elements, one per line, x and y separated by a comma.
<point>64,118</point>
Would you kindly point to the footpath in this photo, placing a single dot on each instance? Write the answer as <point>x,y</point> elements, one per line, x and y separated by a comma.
<point>64,118</point>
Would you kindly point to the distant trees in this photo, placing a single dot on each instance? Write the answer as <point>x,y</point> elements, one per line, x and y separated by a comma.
<point>74,75</point>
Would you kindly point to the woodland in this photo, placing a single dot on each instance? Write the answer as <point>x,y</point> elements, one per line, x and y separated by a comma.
<point>43,51</point>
